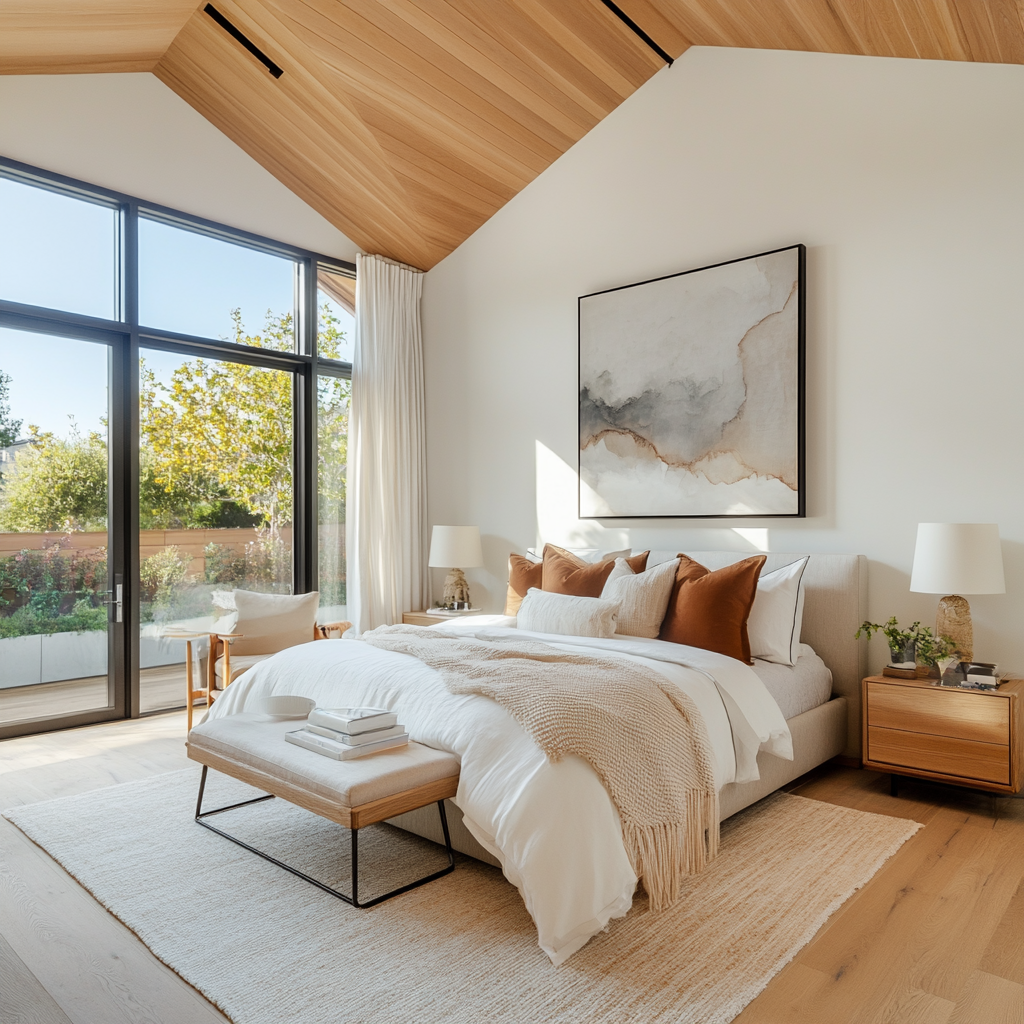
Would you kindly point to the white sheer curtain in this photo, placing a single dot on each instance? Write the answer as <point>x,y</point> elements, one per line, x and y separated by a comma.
<point>387,507</point>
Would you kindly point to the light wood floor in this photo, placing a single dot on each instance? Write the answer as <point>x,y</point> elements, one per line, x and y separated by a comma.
<point>936,937</point>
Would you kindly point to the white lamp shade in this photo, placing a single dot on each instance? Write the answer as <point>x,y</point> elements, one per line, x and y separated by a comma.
<point>455,547</point>
<point>958,558</point>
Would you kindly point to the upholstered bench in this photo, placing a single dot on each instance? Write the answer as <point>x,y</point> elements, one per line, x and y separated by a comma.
<point>353,793</point>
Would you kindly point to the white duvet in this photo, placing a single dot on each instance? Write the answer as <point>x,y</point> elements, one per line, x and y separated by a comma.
<point>553,826</point>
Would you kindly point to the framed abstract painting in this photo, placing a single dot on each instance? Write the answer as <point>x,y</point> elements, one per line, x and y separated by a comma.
<point>691,393</point>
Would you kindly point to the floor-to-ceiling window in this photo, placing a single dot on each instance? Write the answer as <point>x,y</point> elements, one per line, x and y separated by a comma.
<point>173,423</point>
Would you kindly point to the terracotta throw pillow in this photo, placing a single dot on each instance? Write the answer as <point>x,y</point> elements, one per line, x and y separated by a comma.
<point>564,573</point>
<point>710,609</point>
<point>522,575</point>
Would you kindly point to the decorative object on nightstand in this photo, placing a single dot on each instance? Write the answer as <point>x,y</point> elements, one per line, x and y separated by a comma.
<point>968,738</point>
<point>907,647</point>
<point>455,548</point>
<point>954,559</point>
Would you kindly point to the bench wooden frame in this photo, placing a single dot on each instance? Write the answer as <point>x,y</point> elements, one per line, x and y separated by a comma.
<point>352,818</point>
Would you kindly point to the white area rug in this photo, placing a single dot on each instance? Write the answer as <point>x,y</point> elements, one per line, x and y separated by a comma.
<point>266,947</point>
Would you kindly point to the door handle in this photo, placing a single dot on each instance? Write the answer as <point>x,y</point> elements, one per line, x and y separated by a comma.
<point>119,602</point>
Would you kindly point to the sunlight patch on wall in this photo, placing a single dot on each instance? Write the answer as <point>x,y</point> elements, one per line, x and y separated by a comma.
<point>558,520</point>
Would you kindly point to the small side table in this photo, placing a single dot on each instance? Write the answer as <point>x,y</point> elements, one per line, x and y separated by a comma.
<point>968,738</point>
<point>433,616</point>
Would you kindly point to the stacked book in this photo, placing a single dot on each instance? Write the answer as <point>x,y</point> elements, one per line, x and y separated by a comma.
<point>344,733</point>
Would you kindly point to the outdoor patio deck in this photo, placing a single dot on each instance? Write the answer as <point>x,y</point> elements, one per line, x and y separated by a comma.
<point>161,688</point>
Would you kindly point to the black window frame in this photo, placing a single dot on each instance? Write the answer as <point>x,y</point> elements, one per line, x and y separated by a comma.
<point>125,337</point>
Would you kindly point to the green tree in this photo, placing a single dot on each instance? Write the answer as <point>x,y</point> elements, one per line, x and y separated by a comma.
<point>57,484</point>
<point>9,428</point>
<point>221,432</point>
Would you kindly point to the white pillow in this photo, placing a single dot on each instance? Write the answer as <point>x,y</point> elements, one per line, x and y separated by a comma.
<point>544,612</point>
<point>777,615</point>
<point>642,597</point>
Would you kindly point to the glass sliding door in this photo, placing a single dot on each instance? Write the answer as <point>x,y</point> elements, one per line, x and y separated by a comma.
<point>215,501</point>
<point>173,426</point>
<point>55,538</point>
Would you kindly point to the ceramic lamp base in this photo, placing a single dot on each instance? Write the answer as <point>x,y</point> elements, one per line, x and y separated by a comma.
<point>953,619</point>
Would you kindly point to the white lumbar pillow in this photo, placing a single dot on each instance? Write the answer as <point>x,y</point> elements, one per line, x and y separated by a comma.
<point>777,615</point>
<point>642,597</point>
<point>543,612</point>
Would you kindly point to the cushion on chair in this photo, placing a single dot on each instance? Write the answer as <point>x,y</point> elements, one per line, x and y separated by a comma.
<point>271,622</point>
<point>239,664</point>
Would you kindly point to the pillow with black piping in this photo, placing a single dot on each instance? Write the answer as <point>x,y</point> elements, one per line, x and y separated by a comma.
<point>777,614</point>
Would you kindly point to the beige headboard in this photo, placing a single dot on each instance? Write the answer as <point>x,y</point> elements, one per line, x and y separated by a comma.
<point>835,605</point>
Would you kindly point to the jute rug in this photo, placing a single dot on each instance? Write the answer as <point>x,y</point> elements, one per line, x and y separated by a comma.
<point>266,947</point>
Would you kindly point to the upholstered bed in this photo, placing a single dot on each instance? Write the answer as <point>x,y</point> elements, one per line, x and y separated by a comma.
<point>835,606</point>
<point>552,821</point>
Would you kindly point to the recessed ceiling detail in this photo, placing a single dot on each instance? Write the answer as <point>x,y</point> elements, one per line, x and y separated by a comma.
<point>409,123</point>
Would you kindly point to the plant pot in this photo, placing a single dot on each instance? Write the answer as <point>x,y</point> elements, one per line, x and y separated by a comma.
<point>903,657</point>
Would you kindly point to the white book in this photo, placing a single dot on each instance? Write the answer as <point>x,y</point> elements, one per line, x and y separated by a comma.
<point>341,751</point>
<point>360,738</point>
<point>353,721</point>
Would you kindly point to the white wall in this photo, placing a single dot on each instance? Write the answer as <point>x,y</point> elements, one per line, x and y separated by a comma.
<point>133,134</point>
<point>906,181</point>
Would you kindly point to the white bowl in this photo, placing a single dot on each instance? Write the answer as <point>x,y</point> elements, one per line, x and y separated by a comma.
<point>283,707</point>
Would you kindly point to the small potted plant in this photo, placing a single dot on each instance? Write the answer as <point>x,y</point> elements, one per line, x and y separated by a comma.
<point>913,645</point>
<point>902,642</point>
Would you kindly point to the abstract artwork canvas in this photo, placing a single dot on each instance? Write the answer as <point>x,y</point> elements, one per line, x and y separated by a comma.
<point>692,393</point>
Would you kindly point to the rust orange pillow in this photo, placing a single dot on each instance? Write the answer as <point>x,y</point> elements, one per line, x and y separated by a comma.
<point>522,574</point>
<point>710,609</point>
<point>564,573</point>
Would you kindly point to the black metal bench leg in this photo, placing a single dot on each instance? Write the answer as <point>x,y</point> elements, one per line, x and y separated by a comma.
<point>353,900</point>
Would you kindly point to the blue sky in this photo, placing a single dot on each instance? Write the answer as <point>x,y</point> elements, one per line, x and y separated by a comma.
<point>60,252</point>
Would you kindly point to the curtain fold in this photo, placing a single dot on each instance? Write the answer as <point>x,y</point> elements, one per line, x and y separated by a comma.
<point>387,507</point>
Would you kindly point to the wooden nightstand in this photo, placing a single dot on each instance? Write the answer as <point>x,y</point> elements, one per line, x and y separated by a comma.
<point>431,618</point>
<point>964,737</point>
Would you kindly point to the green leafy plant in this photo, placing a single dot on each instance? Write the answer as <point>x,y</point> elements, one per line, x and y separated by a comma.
<point>929,649</point>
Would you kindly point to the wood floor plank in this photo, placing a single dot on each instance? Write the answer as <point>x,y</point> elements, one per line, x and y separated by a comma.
<point>23,1000</point>
<point>914,1006</point>
<point>989,1000</point>
<point>792,997</point>
<point>953,939</point>
<point>93,967</point>
<point>1004,956</point>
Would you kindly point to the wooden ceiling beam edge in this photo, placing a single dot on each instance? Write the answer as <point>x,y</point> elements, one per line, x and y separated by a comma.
<point>76,65</point>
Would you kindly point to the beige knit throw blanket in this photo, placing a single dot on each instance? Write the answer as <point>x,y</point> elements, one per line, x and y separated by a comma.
<point>642,735</point>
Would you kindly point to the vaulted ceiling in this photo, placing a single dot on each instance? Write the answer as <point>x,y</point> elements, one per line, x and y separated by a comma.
<point>408,123</point>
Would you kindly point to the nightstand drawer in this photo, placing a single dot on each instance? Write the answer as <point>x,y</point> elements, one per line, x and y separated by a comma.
<point>989,762</point>
<point>968,716</point>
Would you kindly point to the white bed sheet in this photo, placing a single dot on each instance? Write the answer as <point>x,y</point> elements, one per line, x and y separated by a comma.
<point>553,826</point>
<point>796,688</point>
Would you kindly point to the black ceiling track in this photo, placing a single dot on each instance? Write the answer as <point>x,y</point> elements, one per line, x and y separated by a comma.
<point>631,24</point>
<point>237,33</point>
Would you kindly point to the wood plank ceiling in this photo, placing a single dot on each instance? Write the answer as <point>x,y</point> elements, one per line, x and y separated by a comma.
<point>408,123</point>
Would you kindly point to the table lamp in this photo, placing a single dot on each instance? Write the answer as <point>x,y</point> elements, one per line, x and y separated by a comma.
<point>954,559</point>
<point>455,548</point>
